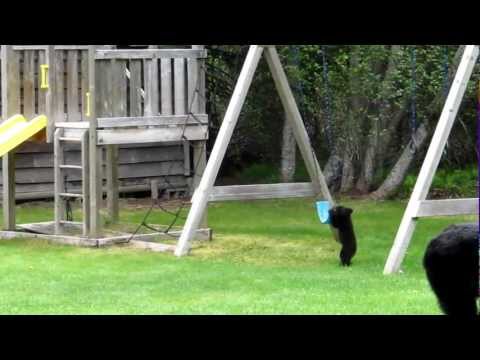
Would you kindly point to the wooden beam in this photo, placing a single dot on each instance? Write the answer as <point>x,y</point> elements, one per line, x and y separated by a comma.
<point>450,207</point>
<point>94,152</point>
<point>220,148</point>
<point>10,106</point>
<point>261,192</point>
<point>156,135</point>
<point>130,54</point>
<point>432,159</point>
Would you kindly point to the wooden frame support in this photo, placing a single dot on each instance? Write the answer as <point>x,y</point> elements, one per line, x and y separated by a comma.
<point>10,106</point>
<point>418,206</point>
<point>205,188</point>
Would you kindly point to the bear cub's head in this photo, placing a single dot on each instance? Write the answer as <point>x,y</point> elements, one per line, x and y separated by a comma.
<point>340,216</point>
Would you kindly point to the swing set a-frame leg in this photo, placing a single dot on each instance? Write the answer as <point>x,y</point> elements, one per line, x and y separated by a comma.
<point>432,160</point>
<point>200,199</point>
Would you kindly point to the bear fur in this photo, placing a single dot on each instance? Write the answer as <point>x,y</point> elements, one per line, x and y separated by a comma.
<point>451,263</point>
<point>341,219</point>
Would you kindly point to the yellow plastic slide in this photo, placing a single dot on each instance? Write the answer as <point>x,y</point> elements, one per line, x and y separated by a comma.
<point>17,130</point>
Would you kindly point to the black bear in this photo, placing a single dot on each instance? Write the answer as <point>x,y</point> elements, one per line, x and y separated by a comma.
<point>451,263</point>
<point>341,219</point>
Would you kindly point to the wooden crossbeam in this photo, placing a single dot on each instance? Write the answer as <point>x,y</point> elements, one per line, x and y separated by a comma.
<point>450,207</point>
<point>261,192</point>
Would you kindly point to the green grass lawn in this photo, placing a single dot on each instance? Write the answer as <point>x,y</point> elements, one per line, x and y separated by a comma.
<point>268,257</point>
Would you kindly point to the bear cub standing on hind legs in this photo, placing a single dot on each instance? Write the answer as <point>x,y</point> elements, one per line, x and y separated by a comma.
<point>341,219</point>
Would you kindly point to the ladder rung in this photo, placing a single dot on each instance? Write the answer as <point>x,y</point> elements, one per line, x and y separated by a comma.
<point>75,167</point>
<point>67,139</point>
<point>70,195</point>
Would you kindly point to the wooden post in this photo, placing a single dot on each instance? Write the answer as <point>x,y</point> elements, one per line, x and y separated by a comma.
<point>432,160</point>
<point>94,153</point>
<point>10,107</point>
<point>200,107</point>
<point>218,153</point>
<point>58,155</point>
<point>50,93</point>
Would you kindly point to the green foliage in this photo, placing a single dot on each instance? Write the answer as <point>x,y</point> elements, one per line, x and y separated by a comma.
<point>447,183</point>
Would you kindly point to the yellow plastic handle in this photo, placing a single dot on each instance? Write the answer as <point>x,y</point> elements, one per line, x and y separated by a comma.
<point>87,113</point>
<point>44,81</point>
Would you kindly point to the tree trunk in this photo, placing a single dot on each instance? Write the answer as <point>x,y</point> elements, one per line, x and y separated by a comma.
<point>380,130</point>
<point>333,172</point>
<point>348,173</point>
<point>399,172</point>
<point>289,150</point>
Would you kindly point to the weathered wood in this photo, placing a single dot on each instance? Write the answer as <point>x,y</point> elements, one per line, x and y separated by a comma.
<point>180,91</point>
<point>94,153</point>
<point>112,183</point>
<point>29,108</point>
<point>150,54</point>
<point>84,82</point>
<point>432,159</point>
<point>125,171</point>
<point>219,150</point>
<point>85,163</point>
<point>261,192</point>
<point>73,85</point>
<point>50,110</point>
<point>199,164</point>
<point>59,94</point>
<point>10,107</point>
<point>135,69</point>
<point>42,95</point>
<point>59,208</point>
<point>450,207</point>
<point>152,87</point>
<point>132,136</point>
<point>166,87</point>
<point>170,120</point>
<point>202,98</point>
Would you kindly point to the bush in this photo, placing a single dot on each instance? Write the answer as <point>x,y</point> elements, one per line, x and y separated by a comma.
<point>447,184</point>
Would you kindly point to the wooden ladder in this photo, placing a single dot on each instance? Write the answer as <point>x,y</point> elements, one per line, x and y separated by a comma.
<point>61,194</point>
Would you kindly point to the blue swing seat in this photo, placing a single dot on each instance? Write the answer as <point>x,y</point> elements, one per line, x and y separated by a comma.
<point>323,211</point>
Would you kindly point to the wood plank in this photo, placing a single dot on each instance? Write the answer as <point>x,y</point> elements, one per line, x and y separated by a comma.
<point>131,136</point>
<point>135,69</point>
<point>450,207</point>
<point>202,86</point>
<point>171,120</point>
<point>73,85</point>
<point>42,95</point>
<point>84,83</point>
<point>94,153</point>
<point>10,106</point>
<point>59,94</point>
<point>59,208</point>
<point>85,162</point>
<point>50,93</point>
<point>104,54</point>
<point>152,87</point>
<point>166,87</point>
<point>112,174</point>
<point>180,91</point>
<point>29,110</point>
<point>261,192</point>
<point>193,101</point>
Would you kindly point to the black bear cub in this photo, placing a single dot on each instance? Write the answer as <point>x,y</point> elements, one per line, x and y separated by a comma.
<point>451,263</point>
<point>341,219</point>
